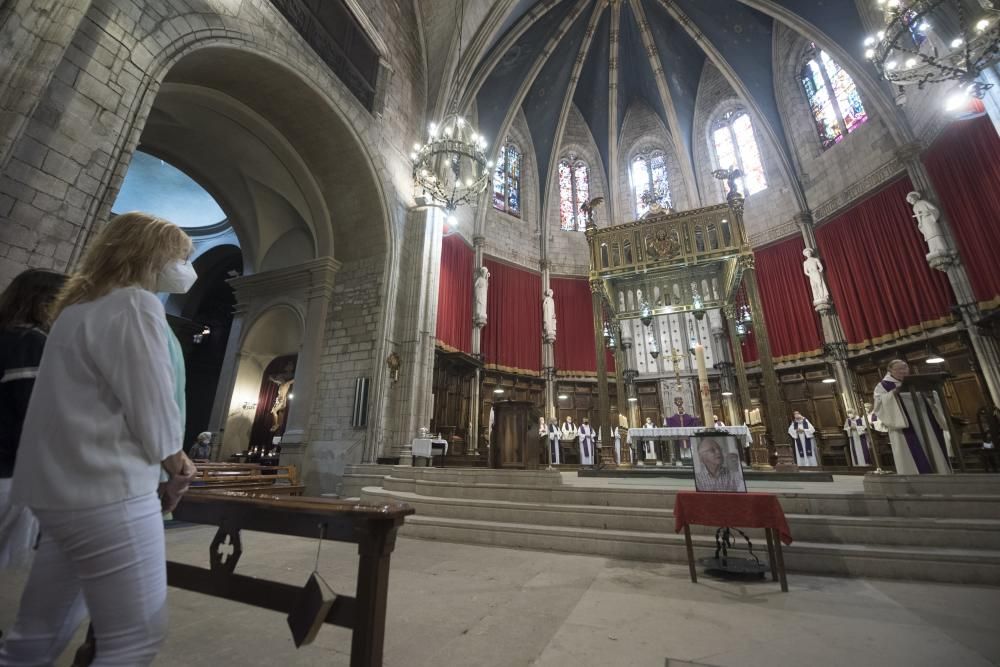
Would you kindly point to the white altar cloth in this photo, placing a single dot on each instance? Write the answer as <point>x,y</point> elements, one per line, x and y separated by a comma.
<point>424,446</point>
<point>682,432</point>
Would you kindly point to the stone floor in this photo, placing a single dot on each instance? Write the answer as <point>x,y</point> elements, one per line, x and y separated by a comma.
<point>466,605</point>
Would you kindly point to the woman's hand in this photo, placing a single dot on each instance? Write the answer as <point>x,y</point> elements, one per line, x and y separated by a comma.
<point>182,472</point>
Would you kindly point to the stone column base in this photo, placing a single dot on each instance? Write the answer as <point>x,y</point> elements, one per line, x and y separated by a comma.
<point>786,459</point>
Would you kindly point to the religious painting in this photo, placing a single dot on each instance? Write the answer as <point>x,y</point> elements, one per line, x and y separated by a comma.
<point>718,465</point>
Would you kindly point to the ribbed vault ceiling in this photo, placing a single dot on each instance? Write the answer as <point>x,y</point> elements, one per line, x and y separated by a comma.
<point>541,55</point>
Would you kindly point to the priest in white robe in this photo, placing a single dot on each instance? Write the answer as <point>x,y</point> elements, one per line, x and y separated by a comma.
<point>912,453</point>
<point>803,436</point>
<point>873,420</point>
<point>717,423</point>
<point>554,435</point>
<point>649,446</point>
<point>586,433</point>
<point>857,439</point>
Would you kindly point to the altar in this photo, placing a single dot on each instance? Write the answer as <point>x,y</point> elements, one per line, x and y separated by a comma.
<point>677,434</point>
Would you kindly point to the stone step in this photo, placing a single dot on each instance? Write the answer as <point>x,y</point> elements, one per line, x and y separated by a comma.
<point>900,531</point>
<point>951,565</point>
<point>858,504</point>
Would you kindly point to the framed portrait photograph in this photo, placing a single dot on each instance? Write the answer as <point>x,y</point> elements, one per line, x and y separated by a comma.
<point>718,465</point>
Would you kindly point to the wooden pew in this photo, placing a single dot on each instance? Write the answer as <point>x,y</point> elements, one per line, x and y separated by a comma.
<point>247,477</point>
<point>372,527</point>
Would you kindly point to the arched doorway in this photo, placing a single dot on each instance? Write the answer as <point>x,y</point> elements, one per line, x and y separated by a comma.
<point>307,212</point>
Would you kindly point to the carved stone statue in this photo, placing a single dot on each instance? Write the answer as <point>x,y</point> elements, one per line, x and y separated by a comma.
<point>927,216</point>
<point>548,317</point>
<point>813,268</point>
<point>479,288</point>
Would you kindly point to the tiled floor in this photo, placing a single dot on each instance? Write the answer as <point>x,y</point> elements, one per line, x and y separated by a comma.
<point>464,605</point>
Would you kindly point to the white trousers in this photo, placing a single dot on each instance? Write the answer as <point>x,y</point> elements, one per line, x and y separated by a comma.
<point>18,530</point>
<point>107,560</point>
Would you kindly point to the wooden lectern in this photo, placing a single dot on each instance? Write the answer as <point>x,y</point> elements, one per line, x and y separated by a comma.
<point>922,386</point>
<point>512,444</point>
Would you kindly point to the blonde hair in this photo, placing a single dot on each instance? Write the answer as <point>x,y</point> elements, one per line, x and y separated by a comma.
<point>128,251</point>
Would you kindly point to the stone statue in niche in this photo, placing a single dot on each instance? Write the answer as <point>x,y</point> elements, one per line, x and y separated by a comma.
<point>480,288</point>
<point>813,268</point>
<point>548,317</point>
<point>927,216</point>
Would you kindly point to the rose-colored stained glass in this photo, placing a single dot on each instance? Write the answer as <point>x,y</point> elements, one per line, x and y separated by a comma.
<point>640,184</point>
<point>821,105</point>
<point>567,219</point>
<point>845,93</point>
<point>507,180</point>
<point>833,98</point>
<point>581,183</point>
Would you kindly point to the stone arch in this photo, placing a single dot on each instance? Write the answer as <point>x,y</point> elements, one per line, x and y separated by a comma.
<point>275,331</point>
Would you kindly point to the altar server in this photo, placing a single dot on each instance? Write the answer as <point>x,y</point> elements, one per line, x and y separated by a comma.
<point>717,423</point>
<point>554,435</point>
<point>857,437</point>
<point>803,438</point>
<point>586,443</point>
<point>873,419</point>
<point>105,418</point>
<point>912,453</point>
<point>649,446</point>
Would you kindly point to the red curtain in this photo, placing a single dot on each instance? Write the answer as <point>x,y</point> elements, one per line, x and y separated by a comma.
<point>749,348</point>
<point>454,313</point>
<point>792,324</point>
<point>964,164</point>
<point>512,337</point>
<point>876,245</point>
<point>574,348</point>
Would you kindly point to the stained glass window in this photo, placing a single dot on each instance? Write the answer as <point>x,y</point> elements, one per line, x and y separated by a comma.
<point>649,182</point>
<point>736,146</point>
<point>916,25</point>
<point>834,100</point>
<point>507,180</point>
<point>574,192</point>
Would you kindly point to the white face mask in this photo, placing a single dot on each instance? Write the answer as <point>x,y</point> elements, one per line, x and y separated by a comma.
<point>176,277</point>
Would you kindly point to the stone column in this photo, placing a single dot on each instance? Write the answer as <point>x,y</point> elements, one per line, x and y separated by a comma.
<point>35,36</point>
<point>603,402</point>
<point>986,352</point>
<point>472,446</point>
<point>776,410</point>
<point>723,355</point>
<point>548,352</point>
<point>416,322</point>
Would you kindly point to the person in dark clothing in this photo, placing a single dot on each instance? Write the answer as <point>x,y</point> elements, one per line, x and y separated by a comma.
<point>24,323</point>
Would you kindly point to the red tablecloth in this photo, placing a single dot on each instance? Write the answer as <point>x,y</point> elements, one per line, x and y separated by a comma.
<point>735,510</point>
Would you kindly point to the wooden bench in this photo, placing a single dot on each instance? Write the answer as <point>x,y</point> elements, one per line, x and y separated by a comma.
<point>372,527</point>
<point>247,477</point>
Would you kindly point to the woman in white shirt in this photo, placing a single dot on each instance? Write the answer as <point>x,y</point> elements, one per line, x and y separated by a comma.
<point>105,417</point>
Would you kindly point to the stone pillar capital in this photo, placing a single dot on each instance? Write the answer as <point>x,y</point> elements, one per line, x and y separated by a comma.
<point>909,152</point>
<point>478,241</point>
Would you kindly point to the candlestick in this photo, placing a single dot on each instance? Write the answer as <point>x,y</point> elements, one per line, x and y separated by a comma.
<point>706,393</point>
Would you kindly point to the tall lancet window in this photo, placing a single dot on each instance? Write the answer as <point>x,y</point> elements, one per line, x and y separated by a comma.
<point>507,180</point>
<point>736,147</point>
<point>574,192</point>
<point>833,98</point>
<point>649,182</point>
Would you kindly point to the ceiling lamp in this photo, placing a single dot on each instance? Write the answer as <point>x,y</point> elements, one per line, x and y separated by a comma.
<point>654,350</point>
<point>931,41</point>
<point>452,168</point>
<point>933,356</point>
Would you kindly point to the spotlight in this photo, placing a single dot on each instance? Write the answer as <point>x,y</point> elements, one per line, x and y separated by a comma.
<point>498,390</point>
<point>727,393</point>
<point>829,380</point>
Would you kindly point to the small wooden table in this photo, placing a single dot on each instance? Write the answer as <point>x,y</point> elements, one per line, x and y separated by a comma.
<point>735,510</point>
<point>372,527</point>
